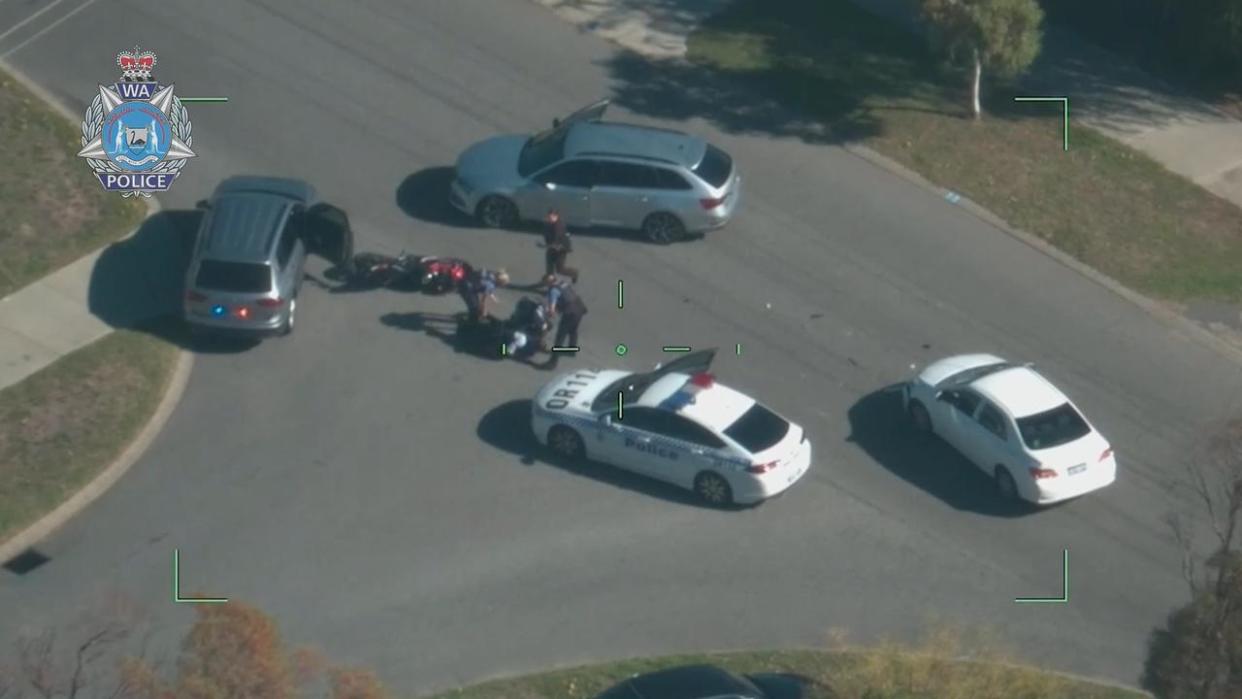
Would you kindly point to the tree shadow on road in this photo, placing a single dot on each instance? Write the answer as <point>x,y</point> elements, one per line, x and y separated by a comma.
<point>879,427</point>
<point>507,428</point>
<point>137,283</point>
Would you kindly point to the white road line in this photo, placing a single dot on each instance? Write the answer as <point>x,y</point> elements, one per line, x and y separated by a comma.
<point>43,31</point>
<point>30,19</point>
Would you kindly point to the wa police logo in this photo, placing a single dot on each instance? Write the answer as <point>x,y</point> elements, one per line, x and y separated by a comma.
<point>136,134</point>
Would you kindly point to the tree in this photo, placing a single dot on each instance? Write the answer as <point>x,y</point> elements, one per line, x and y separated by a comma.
<point>1198,654</point>
<point>1002,36</point>
<point>233,651</point>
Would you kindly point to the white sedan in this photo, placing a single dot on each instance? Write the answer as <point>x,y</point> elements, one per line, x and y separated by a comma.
<point>674,424</point>
<point>1014,425</point>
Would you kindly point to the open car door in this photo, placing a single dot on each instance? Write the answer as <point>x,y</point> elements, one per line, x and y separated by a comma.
<point>591,112</point>
<point>328,233</point>
<point>692,363</point>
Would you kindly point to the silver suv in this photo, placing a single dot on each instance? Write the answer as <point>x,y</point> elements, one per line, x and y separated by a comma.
<point>664,183</point>
<point>246,270</point>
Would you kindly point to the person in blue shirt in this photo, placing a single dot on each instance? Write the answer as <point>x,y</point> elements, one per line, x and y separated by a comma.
<point>478,289</point>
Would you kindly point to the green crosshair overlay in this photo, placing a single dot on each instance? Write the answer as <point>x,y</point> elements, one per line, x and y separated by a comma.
<point>1064,112</point>
<point>176,585</point>
<point>1064,598</point>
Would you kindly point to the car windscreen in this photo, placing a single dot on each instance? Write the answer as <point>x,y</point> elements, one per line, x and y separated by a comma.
<point>1052,428</point>
<point>234,277</point>
<point>631,388</point>
<point>758,429</point>
<point>540,151</point>
<point>715,167</point>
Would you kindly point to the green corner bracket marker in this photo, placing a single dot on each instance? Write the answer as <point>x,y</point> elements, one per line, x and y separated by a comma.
<point>1064,111</point>
<point>177,598</point>
<point>1064,598</point>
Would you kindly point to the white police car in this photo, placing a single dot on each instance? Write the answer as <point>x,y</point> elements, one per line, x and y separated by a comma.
<point>675,424</point>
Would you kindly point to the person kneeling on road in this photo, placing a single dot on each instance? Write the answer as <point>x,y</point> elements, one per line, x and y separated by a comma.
<point>526,329</point>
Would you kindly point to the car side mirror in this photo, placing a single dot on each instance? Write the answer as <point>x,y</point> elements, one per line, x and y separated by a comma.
<point>203,204</point>
<point>605,419</point>
<point>556,123</point>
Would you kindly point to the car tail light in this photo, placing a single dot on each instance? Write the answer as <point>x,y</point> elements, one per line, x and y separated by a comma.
<point>242,312</point>
<point>194,296</point>
<point>703,380</point>
<point>271,303</point>
<point>1106,453</point>
<point>1039,473</point>
<point>712,203</point>
<point>459,272</point>
<point>762,468</point>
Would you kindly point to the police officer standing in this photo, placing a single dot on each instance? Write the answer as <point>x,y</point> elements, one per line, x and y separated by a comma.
<point>563,302</point>
<point>557,246</point>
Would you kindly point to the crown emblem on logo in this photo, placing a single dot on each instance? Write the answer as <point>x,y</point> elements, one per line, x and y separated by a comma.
<point>136,64</point>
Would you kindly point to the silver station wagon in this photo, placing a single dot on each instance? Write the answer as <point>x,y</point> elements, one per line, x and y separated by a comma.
<point>664,183</point>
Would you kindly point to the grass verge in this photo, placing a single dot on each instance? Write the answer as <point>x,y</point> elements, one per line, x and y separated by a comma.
<point>886,673</point>
<point>868,79</point>
<point>62,425</point>
<point>52,209</point>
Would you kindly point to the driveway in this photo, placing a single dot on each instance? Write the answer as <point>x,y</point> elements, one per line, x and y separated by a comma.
<point>378,493</point>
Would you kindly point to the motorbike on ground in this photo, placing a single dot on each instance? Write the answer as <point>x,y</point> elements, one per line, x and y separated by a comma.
<point>427,273</point>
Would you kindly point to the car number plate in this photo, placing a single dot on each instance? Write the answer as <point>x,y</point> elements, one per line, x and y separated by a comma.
<point>1077,469</point>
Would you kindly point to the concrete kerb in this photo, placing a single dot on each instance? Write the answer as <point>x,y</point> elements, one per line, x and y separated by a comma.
<point>1152,307</point>
<point>172,394</point>
<point>850,651</point>
<point>113,472</point>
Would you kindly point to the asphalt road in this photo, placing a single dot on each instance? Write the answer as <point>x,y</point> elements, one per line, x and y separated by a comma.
<point>377,492</point>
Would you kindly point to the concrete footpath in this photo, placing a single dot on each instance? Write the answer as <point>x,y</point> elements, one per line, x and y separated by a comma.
<point>50,318</point>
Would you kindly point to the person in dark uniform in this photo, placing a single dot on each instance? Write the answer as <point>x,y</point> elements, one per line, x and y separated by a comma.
<point>557,246</point>
<point>563,302</point>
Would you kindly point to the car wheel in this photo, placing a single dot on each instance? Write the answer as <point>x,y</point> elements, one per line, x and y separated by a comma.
<point>663,228</point>
<point>713,489</point>
<point>291,318</point>
<point>566,443</point>
<point>1005,485</point>
<point>920,421</point>
<point>497,212</point>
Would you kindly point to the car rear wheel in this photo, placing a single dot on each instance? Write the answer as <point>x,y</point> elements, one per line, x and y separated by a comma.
<point>497,212</point>
<point>920,421</point>
<point>663,228</point>
<point>566,443</point>
<point>290,319</point>
<point>713,489</point>
<point>1005,485</point>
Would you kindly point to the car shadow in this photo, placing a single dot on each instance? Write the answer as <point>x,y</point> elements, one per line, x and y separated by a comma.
<point>424,195</point>
<point>507,428</point>
<point>137,283</point>
<point>879,427</point>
